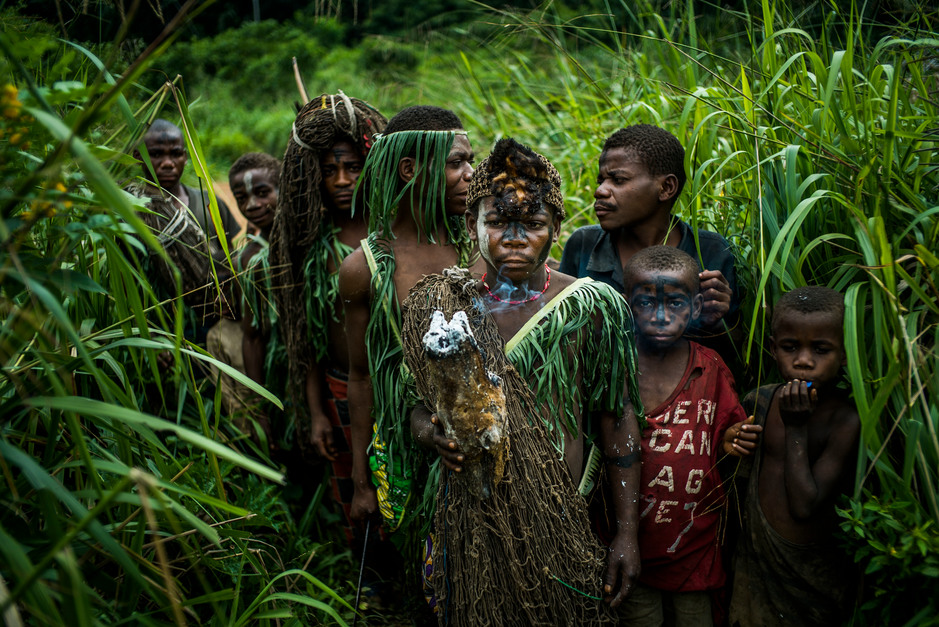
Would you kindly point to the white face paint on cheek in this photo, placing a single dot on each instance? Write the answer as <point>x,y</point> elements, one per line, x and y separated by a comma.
<point>482,236</point>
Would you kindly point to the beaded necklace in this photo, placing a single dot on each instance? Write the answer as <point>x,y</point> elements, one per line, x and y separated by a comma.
<point>535,296</point>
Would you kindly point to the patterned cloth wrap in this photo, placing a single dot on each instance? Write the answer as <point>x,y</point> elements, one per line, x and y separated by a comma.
<point>394,487</point>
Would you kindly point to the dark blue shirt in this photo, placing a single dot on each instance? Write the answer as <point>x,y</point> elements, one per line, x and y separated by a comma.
<point>590,252</point>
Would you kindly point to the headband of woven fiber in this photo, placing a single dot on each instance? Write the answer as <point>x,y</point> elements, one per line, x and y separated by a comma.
<point>519,178</point>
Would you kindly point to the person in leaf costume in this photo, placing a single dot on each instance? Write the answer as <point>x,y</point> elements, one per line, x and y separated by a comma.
<point>415,183</point>
<point>523,552</point>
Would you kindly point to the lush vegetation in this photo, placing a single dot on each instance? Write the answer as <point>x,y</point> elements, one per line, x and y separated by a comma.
<point>811,132</point>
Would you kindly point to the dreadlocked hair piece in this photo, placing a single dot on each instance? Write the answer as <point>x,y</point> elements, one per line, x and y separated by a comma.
<point>425,190</point>
<point>302,236</point>
<point>519,178</point>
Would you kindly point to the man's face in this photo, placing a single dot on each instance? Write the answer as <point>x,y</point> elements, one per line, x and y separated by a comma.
<point>663,303</point>
<point>626,195</point>
<point>255,191</point>
<point>459,170</point>
<point>341,166</point>
<point>514,247</point>
<point>168,156</point>
<point>808,347</point>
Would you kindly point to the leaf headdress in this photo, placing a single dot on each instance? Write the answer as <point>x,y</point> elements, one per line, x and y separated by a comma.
<point>384,190</point>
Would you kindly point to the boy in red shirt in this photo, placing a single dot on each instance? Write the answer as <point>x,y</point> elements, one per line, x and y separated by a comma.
<point>693,415</point>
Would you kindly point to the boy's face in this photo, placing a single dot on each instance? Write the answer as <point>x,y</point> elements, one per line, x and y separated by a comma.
<point>341,166</point>
<point>808,347</point>
<point>663,303</point>
<point>514,247</point>
<point>168,155</point>
<point>255,191</point>
<point>627,195</point>
<point>459,171</point>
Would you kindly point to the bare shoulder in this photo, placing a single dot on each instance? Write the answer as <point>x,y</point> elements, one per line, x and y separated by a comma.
<point>354,275</point>
<point>559,281</point>
<point>844,415</point>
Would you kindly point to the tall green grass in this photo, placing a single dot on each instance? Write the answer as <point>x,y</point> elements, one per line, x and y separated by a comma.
<point>126,496</point>
<point>814,150</point>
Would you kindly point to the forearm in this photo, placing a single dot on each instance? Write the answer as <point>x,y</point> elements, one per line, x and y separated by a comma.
<point>801,488</point>
<point>253,348</point>
<point>619,441</point>
<point>422,429</point>
<point>315,386</point>
<point>361,427</point>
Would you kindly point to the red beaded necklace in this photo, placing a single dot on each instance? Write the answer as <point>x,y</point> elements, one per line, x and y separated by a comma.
<point>535,296</point>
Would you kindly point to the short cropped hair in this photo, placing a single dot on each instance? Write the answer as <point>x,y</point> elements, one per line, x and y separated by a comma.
<point>807,300</point>
<point>423,118</point>
<point>657,149</point>
<point>256,161</point>
<point>662,259</point>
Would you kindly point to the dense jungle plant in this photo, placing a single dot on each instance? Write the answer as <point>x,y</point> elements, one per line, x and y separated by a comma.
<point>126,497</point>
<point>814,150</point>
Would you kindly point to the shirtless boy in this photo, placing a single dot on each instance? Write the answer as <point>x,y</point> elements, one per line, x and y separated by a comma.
<point>566,341</point>
<point>690,404</point>
<point>788,570</point>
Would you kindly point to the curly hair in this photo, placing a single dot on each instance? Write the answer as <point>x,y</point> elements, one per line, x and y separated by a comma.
<point>657,149</point>
<point>662,259</point>
<point>255,161</point>
<point>807,300</point>
<point>423,118</point>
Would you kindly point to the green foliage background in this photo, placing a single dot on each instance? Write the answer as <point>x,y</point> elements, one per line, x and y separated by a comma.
<point>810,130</point>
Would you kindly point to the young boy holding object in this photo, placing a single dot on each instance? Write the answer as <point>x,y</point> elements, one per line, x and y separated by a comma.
<point>693,415</point>
<point>787,569</point>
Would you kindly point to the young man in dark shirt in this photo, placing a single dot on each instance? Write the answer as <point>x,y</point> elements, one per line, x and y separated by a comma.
<point>641,175</point>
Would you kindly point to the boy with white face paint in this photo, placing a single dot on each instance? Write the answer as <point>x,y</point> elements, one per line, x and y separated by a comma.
<point>237,339</point>
<point>563,348</point>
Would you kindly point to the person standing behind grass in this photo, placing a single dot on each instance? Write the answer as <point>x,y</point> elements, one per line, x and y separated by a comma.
<point>641,175</point>
<point>693,415</point>
<point>167,151</point>
<point>317,226</point>
<point>788,569</point>
<point>253,181</point>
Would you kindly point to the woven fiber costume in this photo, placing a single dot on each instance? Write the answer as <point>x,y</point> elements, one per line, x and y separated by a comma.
<point>303,239</point>
<point>189,251</point>
<point>395,460</point>
<point>525,554</point>
<point>519,550</point>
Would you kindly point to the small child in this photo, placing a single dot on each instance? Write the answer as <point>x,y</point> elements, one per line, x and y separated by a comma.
<point>692,412</point>
<point>787,569</point>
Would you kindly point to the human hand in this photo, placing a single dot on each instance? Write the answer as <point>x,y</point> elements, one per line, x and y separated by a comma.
<point>165,359</point>
<point>622,569</point>
<point>797,402</point>
<point>364,502</point>
<point>450,454</point>
<point>715,289</point>
<point>740,440</point>
<point>321,436</point>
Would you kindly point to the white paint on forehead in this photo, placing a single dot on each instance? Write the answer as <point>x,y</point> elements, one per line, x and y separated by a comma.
<point>247,179</point>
